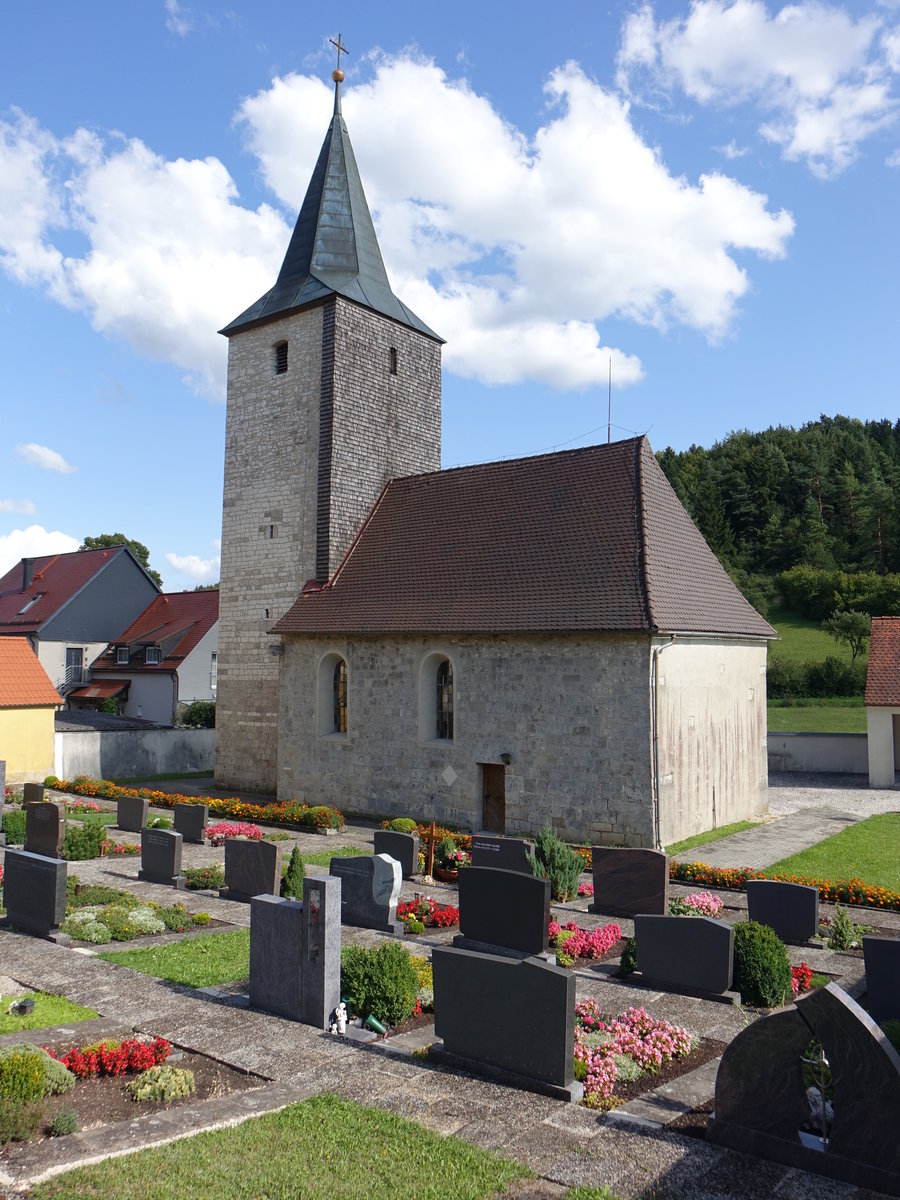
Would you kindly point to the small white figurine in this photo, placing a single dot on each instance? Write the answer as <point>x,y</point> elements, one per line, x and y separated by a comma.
<point>341,1018</point>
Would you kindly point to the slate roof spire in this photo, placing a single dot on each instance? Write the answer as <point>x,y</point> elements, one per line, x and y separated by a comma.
<point>333,250</point>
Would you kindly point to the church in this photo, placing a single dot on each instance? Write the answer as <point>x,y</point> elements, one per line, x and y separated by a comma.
<point>531,642</point>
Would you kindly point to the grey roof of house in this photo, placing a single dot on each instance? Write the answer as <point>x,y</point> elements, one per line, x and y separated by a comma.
<point>333,250</point>
<point>591,539</point>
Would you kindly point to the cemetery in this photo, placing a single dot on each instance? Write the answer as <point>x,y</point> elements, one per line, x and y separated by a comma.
<point>632,1006</point>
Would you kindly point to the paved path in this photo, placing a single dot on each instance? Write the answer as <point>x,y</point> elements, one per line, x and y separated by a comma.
<point>770,841</point>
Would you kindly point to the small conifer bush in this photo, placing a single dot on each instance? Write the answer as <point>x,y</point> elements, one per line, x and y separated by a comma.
<point>292,880</point>
<point>762,972</point>
<point>554,860</point>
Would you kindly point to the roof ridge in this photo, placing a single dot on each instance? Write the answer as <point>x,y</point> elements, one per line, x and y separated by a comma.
<point>641,528</point>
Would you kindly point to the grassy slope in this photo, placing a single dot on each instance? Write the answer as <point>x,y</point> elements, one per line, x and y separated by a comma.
<point>866,850</point>
<point>320,1147</point>
<point>803,640</point>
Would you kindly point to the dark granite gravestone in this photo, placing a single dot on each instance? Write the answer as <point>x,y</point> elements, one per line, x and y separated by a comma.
<point>320,974</point>
<point>503,911</point>
<point>791,909</point>
<point>515,1015</point>
<point>33,793</point>
<point>161,857</point>
<point>370,889</point>
<point>190,821</point>
<point>629,881</point>
<point>34,891</point>
<point>2,777</point>
<point>507,854</point>
<point>402,846</point>
<point>132,813</point>
<point>45,828</point>
<point>761,1102</point>
<point>252,868</point>
<point>276,934</point>
<point>693,954</point>
<point>882,958</point>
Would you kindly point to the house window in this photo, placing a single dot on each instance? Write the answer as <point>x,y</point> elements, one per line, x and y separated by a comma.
<point>281,349</point>
<point>151,656</point>
<point>444,701</point>
<point>437,699</point>
<point>332,696</point>
<point>213,671</point>
<point>121,656</point>
<point>392,359</point>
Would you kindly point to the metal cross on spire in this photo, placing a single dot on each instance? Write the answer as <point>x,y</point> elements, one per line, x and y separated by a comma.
<point>341,49</point>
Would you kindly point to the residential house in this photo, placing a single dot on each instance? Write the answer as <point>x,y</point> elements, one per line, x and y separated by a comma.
<point>28,703</point>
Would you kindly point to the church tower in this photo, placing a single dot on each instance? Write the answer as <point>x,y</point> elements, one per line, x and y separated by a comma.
<point>334,387</point>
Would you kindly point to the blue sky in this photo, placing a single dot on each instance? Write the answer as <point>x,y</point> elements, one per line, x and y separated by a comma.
<point>703,195</point>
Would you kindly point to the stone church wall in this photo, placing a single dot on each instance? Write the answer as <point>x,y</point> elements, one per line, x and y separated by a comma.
<point>572,712</point>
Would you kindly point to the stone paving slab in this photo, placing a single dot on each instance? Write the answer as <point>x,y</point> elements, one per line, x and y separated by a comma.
<point>666,1104</point>
<point>770,841</point>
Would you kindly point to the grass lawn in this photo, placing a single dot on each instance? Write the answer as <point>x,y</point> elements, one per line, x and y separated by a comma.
<point>48,1010</point>
<point>322,858</point>
<point>107,818</point>
<point>320,1147</point>
<point>841,715</point>
<point>711,835</point>
<point>803,639</point>
<point>196,962</point>
<point>866,851</point>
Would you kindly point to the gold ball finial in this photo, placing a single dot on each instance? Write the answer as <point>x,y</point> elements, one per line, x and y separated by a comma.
<point>337,76</point>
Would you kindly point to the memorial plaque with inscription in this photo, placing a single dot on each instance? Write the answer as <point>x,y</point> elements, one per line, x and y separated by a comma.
<point>161,857</point>
<point>508,854</point>
<point>34,891</point>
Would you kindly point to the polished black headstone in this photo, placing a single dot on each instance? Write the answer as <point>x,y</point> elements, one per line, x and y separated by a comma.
<point>507,854</point>
<point>402,846</point>
<point>517,1014</point>
<point>34,891</point>
<point>161,857</point>
<point>132,813</point>
<point>45,828</point>
<point>252,868</point>
<point>370,889</point>
<point>882,958</point>
<point>629,881</point>
<point>791,909</point>
<point>190,821</point>
<point>694,953</point>
<point>505,909</point>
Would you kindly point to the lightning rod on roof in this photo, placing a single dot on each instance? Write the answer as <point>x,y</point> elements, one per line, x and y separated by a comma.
<point>609,406</point>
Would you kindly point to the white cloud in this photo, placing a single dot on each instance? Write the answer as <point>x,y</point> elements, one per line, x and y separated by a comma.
<point>45,458</point>
<point>33,542</point>
<point>17,506</point>
<point>515,248</point>
<point>177,20</point>
<point>201,570</point>
<point>733,150</point>
<point>824,76</point>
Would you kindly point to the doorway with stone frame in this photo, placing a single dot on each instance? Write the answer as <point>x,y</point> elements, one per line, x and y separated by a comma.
<point>493,797</point>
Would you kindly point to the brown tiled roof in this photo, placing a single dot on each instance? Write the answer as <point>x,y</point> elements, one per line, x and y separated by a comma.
<point>55,579</point>
<point>883,674</point>
<point>174,621</point>
<point>23,681</point>
<point>591,539</point>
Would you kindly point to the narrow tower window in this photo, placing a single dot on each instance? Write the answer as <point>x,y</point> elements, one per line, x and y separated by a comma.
<point>393,360</point>
<point>340,697</point>
<point>281,358</point>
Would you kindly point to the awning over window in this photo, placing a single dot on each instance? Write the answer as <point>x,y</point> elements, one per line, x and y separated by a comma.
<point>100,691</point>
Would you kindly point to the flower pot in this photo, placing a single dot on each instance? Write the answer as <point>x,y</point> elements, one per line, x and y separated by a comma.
<point>325,831</point>
<point>446,876</point>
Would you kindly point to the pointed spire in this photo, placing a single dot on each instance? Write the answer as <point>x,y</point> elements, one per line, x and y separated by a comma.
<point>333,250</point>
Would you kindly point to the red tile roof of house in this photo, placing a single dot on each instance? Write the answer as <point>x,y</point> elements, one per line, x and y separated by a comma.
<point>883,674</point>
<point>174,621</point>
<point>55,579</point>
<point>101,690</point>
<point>23,681</point>
<point>590,539</point>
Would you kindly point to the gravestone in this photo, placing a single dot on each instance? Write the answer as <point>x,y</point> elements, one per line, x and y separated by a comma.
<point>370,889</point>
<point>791,909</point>
<point>503,911</point>
<point>504,853</point>
<point>276,934</point>
<point>190,821</point>
<point>252,868</point>
<point>34,891</point>
<point>33,793</point>
<point>132,813</point>
<point>629,881</point>
<point>515,1015</point>
<point>691,954</point>
<point>882,958</point>
<point>320,973</point>
<point>402,846</point>
<point>45,828</point>
<point>761,1102</point>
<point>161,857</point>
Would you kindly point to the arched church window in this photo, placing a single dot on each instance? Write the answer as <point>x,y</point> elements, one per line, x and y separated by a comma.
<point>281,358</point>
<point>444,701</point>
<point>332,693</point>
<point>339,697</point>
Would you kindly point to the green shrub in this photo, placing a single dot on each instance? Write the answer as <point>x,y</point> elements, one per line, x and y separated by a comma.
<point>292,880</point>
<point>381,982</point>
<point>19,1121</point>
<point>762,973</point>
<point>554,860</point>
<point>175,918</point>
<point>843,931</point>
<point>159,823</point>
<point>22,1075</point>
<point>83,841</point>
<point>94,895</point>
<point>581,1070</point>
<point>86,928</point>
<point>403,825</point>
<point>196,878</point>
<point>201,714</point>
<point>127,923</point>
<point>65,1122</point>
<point>14,827</point>
<point>51,781</point>
<point>414,925</point>
<point>201,918</point>
<point>161,1083</point>
<point>628,961</point>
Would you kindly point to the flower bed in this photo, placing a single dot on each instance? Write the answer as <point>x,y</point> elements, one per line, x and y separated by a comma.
<point>842,891</point>
<point>218,832</point>
<point>282,812</point>
<point>113,1058</point>
<point>609,1047</point>
<point>572,942</point>
<point>428,912</point>
<point>698,904</point>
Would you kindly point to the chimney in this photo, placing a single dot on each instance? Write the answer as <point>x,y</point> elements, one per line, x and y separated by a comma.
<point>27,573</point>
